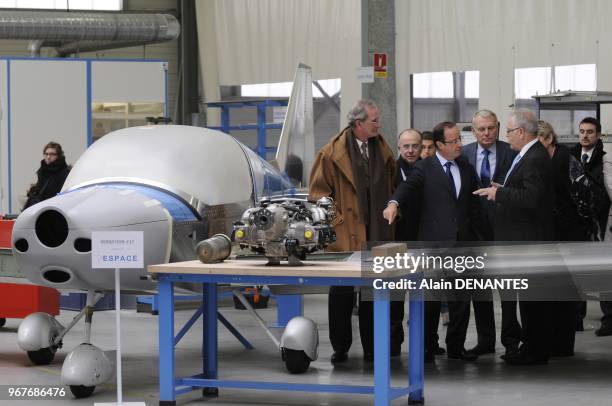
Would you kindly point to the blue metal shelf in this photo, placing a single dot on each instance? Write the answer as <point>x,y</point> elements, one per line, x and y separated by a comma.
<point>262,149</point>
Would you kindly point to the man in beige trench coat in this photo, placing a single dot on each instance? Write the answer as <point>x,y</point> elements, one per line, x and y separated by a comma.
<point>356,169</point>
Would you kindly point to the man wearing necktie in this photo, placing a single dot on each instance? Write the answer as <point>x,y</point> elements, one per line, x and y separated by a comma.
<point>449,212</point>
<point>590,152</point>
<point>492,159</point>
<point>524,213</point>
<point>356,169</point>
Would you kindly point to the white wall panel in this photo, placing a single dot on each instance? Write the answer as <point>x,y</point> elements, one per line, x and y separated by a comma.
<point>48,103</point>
<point>128,81</point>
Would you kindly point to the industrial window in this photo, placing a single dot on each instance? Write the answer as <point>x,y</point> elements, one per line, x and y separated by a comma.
<point>529,82</point>
<point>472,84</point>
<point>283,89</point>
<point>443,96</point>
<point>432,85</point>
<point>64,4</point>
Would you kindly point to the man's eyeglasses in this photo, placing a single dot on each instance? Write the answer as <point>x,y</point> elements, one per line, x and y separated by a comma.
<point>456,140</point>
<point>509,130</point>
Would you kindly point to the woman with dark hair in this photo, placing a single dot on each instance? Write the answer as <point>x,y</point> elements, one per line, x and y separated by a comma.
<point>51,175</point>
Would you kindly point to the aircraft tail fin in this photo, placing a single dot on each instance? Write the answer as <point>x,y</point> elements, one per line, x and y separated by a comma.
<point>295,152</point>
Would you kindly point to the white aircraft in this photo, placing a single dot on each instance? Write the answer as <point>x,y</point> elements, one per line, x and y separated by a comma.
<point>178,184</point>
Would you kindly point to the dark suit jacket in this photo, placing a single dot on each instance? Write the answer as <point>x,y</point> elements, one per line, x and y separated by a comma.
<point>407,228</point>
<point>569,226</point>
<point>525,203</point>
<point>594,168</point>
<point>444,217</point>
<point>504,156</point>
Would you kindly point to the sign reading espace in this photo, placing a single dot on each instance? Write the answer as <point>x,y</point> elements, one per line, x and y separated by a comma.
<point>117,249</point>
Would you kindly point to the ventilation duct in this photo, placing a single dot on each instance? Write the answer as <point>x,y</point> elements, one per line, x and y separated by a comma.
<point>74,32</point>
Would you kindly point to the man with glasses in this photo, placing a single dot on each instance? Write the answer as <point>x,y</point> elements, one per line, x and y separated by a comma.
<point>356,169</point>
<point>409,146</point>
<point>524,213</point>
<point>449,212</point>
<point>491,158</point>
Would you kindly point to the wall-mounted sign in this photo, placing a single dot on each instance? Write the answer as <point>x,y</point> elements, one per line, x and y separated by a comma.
<point>365,74</point>
<point>380,64</point>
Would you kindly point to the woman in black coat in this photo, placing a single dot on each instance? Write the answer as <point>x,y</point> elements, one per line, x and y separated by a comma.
<point>51,175</point>
<point>569,226</point>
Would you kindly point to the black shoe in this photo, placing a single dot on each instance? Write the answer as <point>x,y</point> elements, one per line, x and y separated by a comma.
<point>604,331</point>
<point>368,356</point>
<point>396,350</point>
<point>439,351</point>
<point>579,326</point>
<point>523,358</point>
<point>480,350</point>
<point>511,352</point>
<point>463,355</point>
<point>339,357</point>
<point>429,357</point>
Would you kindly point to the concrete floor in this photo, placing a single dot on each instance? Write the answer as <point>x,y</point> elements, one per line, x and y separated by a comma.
<point>582,380</point>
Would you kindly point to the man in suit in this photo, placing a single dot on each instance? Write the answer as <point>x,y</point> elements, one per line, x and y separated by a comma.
<point>409,146</point>
<point>590,152</point>
<point>449,212</point>
<point>356,169</point>
<point>523,213</point>
<point>491,158</point>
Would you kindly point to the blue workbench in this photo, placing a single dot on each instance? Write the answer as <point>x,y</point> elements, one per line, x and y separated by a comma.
<point>322,273</point>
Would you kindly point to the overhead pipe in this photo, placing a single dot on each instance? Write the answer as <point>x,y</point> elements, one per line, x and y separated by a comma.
<point>87,31</point>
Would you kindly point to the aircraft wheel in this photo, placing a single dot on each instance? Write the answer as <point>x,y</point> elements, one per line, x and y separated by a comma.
<point>43,356</point>
<point>81,391</point>
<point>296,361</point>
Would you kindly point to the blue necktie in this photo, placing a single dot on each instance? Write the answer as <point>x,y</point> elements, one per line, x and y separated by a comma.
<point>485,169</point>
<point>516,159</point>
<point>451,180</point>
<point>585,159</point>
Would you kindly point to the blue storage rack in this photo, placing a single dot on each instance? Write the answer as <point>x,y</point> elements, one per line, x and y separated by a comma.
<point>262,149</point>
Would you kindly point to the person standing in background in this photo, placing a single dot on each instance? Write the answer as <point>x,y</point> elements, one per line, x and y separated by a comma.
<point>51,175</point>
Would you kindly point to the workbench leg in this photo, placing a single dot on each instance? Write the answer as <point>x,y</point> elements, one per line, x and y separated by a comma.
<point>382,379</point>
<point>416,346</point>
<point>167,394</point>
<point>209,339</point>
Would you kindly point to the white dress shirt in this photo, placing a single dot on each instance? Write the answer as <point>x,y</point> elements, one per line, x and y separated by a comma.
<point>492,159</point>
<point>454,170</point>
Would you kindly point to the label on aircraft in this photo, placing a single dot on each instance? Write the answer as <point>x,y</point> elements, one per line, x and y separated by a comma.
<point>117,249</point>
